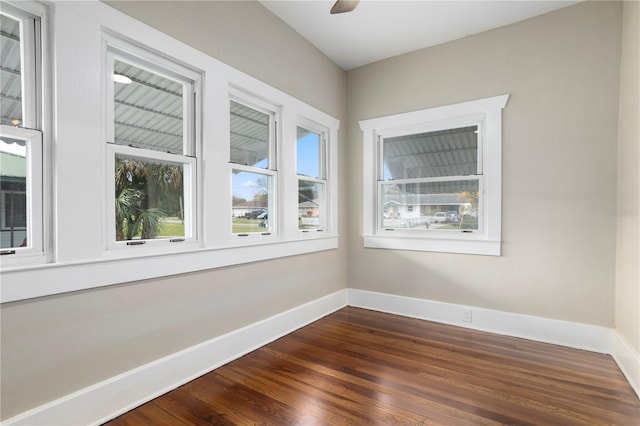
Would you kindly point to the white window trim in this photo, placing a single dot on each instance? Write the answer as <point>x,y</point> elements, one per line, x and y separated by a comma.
<point>487,112</point>
<point>116,48</point>
<point>80,259</point>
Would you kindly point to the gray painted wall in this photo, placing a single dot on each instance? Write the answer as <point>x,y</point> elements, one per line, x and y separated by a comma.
<point>628,235</point>
<point>559,169</point>
<point>56,345</point>
<point>559,164</point>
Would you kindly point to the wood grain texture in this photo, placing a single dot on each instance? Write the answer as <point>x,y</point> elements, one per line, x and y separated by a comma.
<point>359,367</point>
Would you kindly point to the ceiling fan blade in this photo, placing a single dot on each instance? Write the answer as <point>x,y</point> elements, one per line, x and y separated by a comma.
<point>342,6</point>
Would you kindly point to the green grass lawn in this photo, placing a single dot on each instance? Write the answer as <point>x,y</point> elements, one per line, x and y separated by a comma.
<point>244,226</point>
<point>171,229</point>
<point>240,226</point>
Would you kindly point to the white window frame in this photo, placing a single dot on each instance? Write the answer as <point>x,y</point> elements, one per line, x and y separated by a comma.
<point>271,110</point>
<point>487,114</point>
<point>139,56</point>
<point>35,224</point>
<point>30,15</point>
<point>34,19</point>
<point>323,172</point>
<point>80,258</point>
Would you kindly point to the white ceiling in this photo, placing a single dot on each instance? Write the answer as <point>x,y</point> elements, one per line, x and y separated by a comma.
<point>379,29</point>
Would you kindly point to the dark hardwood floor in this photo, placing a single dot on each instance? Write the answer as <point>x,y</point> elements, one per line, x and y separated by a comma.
<point>358,367</point>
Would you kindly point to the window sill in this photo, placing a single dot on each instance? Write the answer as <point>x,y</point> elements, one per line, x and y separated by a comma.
<point>449,245</point>
<point>21,283</point>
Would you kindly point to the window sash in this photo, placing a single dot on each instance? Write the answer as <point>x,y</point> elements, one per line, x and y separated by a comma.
<point>429,128</point>
<point>321,153</point>
<point>33,188</point>
<point>272,205</point>
<point>116,49</point>
<point>322,208</point>
<point>434,154</point>
<point>266,109</point>
<point>381,229</point>
<point>189,194</point>
<point>31,65</point>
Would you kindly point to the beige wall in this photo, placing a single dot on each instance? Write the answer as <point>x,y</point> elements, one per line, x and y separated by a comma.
<point>628,231</point>
<point>559,164</point>
<point>559,171</point>
<point>55,345</point>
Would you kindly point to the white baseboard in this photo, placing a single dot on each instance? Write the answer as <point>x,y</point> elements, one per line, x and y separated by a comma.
<point>112,397</point>
<point>565,333</point>
<point>628,360</point>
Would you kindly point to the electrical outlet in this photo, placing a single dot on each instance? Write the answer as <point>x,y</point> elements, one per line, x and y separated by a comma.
<point>466,315</point>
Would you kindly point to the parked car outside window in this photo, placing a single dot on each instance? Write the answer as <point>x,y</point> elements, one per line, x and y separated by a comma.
<point>439,217</point>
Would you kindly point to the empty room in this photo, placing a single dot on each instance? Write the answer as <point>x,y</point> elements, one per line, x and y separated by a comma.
<point>320,212</point>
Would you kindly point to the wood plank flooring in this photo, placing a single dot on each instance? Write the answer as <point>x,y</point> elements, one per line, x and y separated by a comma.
<point>359,367</point>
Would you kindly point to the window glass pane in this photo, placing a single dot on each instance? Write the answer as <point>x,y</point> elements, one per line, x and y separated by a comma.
<point>308,153</point>
<point>452,152</point>
<point>148,109</point>
<point>13,196</point>
<point>11,78</point>
<point>149,198</point>
<point>251,202</point>
<point>310,204</point>
<point>445,205</point>
<point>249,136</point>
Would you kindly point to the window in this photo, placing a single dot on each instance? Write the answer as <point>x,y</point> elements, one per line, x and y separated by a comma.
<point>435,180</point>
<point>312,182</point>
<point>152,149</point>
<point>21,150</point>
<point>20,191</point>
<point>20,47</point>
<point>253,168</point>
<point>130,179</point>
<point>438,173</point>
